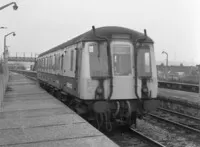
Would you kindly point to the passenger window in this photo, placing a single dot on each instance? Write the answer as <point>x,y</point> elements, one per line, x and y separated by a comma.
<point>50,62</point>
<point>98,60</point>
<point>53,62</point>
<point>62,60</point>
<point>72,60</point>
<point>43,63</point>
<point>122,60</point>
<point>147,62</point>
<point>46,63</point>
<point>144,61</point>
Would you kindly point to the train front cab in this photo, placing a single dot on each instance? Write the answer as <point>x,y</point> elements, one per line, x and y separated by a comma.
<point>134,75</point>
<point>129,94</point>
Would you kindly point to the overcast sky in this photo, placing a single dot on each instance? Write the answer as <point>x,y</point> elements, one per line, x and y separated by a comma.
<point>174,25</point>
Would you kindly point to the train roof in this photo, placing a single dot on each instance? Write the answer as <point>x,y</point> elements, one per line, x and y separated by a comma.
<point>107,32</point>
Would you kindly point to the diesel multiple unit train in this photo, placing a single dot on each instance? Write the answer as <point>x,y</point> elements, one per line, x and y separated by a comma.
<point>107,74</point>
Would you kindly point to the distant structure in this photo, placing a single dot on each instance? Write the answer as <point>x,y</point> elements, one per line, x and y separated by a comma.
<point>179,73</point>
<point>24,61</point>
<point>23,58</point>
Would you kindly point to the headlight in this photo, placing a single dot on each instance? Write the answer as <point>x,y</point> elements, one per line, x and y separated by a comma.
<point>99,90</point>
<point>145,89</point>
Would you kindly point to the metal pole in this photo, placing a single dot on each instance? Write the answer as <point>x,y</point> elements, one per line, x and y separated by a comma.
<point>5,43</point>
<point>166,69</point>
<point>4,52</point>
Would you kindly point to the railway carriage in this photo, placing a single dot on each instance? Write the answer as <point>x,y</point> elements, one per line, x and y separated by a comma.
<point>108,73</point>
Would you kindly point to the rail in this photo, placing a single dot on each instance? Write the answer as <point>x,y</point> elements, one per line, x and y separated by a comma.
<point>175,123</point>
<point>153,142</point>
<point>161,84</point>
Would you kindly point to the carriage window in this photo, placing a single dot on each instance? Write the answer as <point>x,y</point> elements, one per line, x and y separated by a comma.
<point>49,60</point>
<point>43,63</point>
<point>46,63</point>
<point>144,61</point>
<point>147,61</point>
<point>62,60</point>
<point>57,61</point>
<point>98,60</point>
<point>121,60</point>
<point>72,59</point>
<point>53,62</point>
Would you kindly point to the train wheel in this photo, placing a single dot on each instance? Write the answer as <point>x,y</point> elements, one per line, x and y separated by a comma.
<point>58,94</point>
<point>133,119</point>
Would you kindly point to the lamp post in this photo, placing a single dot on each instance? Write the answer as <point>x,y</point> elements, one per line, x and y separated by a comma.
<point>167,57</point>
<point>15,7</point>
<point>2,28</point>
<point>166,69</point>
<point>5,51</point>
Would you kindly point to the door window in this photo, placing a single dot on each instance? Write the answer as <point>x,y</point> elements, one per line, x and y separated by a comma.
<point>144,61</point>
<point>122,60</point>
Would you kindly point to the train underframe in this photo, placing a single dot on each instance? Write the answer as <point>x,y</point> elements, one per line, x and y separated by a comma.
<point>104,114</point>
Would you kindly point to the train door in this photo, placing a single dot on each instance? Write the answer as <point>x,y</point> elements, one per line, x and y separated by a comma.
<point>71,71</point>
<point>122,63</point>
<point>78,55</point>
<point>65,63</point>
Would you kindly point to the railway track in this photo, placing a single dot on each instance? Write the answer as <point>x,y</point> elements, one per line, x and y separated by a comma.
<point>180,114</point>
<point>180,120</point>
<point>180,128</point>
<point>128,137</point>
<point>146,138</point>
<point>154,135</point>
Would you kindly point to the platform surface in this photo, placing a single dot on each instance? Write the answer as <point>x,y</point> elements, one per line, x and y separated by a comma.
<point>30,117</point>
<point>177,94</point>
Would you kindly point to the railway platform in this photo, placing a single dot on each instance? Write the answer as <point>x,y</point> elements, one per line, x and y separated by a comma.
<point>187,97</point>
<point>31,117</point>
